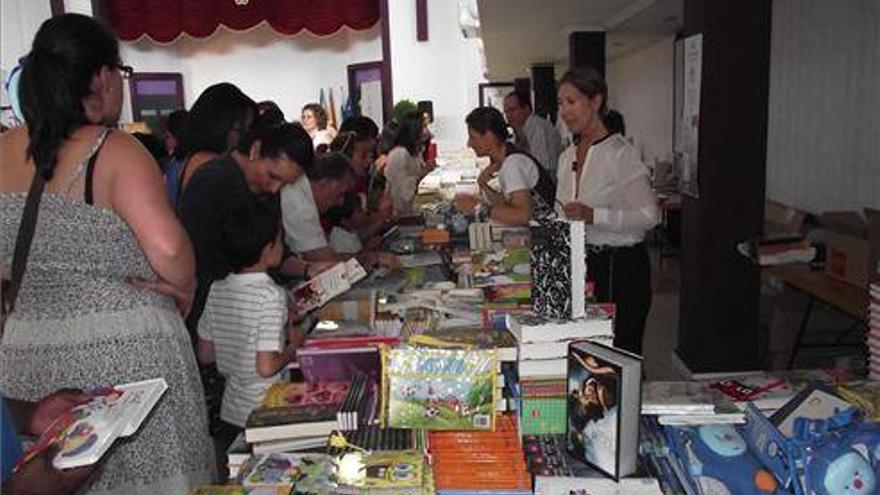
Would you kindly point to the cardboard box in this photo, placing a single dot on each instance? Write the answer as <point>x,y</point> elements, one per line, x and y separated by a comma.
<point>782,219</point>
<point>852,243</point>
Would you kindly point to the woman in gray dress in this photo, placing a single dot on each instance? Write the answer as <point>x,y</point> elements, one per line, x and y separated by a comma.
<point>110,269</point>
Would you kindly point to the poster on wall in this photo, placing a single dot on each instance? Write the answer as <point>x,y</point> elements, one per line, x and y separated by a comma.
<point>371,100</point>
<point>688,147</point>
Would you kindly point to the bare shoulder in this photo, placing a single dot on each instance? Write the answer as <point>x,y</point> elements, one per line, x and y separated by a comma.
<point>122,150</point>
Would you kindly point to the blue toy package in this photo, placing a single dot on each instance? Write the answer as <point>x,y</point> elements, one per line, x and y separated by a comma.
<point>839,455</point>
<point>719,461</point>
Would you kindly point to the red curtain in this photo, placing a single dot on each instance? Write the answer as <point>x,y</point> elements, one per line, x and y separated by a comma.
<point>165,20</point>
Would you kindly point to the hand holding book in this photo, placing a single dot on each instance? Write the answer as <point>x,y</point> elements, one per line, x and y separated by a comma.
<point>578,211</point>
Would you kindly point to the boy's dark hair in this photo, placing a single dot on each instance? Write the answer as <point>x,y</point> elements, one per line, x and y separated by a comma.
<point>349,206</point>
<point>488,119</point>
<point>521,98</point>
<point>287,139</point>
<point>250,224</point>
<point>272,111</point>
<point>331,165</point>
<point>363,126</point>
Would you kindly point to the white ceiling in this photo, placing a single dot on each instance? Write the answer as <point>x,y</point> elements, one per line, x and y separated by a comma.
<point>520,33</point>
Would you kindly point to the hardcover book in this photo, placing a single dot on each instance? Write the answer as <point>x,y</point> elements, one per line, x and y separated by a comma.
<point>442,389</point>
<point>559,269</point>
<point>604,387</point>
<point>468,337</point>
<point>85,433</point>
<point>397,472</point>
<point>292,410</point>
<point>240,490</point>
<point>271,470</point>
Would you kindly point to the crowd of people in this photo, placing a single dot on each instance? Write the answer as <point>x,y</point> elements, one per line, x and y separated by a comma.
<point>137,271</point>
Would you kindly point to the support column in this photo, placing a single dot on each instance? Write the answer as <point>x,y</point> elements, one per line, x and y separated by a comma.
<point>587,48</point>
<point>720,289</point>
<point>544,84</point>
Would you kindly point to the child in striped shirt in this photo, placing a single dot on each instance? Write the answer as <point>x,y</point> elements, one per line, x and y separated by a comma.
<point>243,324</point>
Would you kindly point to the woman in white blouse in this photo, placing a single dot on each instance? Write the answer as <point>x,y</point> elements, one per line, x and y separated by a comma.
<point>406,167</point>
<point>602,181</point>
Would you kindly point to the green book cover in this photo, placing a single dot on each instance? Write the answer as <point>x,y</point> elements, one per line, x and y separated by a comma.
<point>544,415</point>
<point>439,389</point>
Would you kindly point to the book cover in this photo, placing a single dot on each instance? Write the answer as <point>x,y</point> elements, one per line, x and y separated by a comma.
<point>374,438</point>
<point>559,270</point>
<point>326,285</point>
<point>543,415</point>
<point>317,476</point>
<point>87,431</point>
<point>290,409</point>
<point>320,364</point>
<point>495,314</point>
<point>430,388</point>
<point>278,469</point>
<point>510,294</point>
<point>402,470</point>
<point>685,398</point>
<point>304,394</point>
<point>501,267</point>
<point>603,407</point>
<point>814,402</point>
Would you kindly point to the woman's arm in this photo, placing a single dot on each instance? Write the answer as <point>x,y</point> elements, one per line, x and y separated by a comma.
<point>632,190</point>
<point>270,363</point>
<point>517,211</point>
<point>137,193</point>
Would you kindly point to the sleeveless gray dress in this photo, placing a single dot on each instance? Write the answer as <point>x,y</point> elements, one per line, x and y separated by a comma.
<point>78,323</point>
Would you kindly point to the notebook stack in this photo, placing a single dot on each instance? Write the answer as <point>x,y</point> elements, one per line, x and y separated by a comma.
<point>543,364</point>
<point>873,339</point>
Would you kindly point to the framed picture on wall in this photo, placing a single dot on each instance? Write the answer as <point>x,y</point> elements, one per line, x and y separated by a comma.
<point>492,94</point>
<point>365,87</point>
<point>154,95</point>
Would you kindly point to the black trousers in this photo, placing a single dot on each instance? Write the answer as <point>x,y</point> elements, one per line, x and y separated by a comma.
<point>623,276</point>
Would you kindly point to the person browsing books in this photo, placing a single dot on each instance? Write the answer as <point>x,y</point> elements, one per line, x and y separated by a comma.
<point>405,166</point>
<point>526,190</point>
<point>602,181</point>
<point>242,327</point>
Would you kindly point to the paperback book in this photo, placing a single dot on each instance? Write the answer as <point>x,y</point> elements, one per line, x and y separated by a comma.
<point>502,267</point>
<point>603,407</point>
<point>85,433</point>
<point>439,389</point>
<point>330,283</point>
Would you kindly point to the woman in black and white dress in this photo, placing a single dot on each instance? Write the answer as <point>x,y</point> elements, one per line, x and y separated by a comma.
<point>602,181</point>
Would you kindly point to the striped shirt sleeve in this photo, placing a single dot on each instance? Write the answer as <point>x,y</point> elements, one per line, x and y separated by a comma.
<point>270,327</point>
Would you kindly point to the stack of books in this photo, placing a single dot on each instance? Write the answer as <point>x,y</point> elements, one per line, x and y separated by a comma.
<point>542,361</point>
<point>683,403</point>
<point>298,416</point>
<point>873,339</point>
<point>778,250</point>
<point>486,462</point>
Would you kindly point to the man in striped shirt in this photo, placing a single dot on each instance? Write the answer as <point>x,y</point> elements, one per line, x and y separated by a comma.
<point>242,327</point>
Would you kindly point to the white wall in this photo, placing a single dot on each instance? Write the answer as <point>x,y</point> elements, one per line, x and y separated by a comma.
<point>823,139</point>
<point>19,21</point>
<point>446,69</point>
<point>640,86</point>
<point>264,64</point>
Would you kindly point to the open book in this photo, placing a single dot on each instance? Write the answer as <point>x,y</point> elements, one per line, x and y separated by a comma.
<point>328,284</point>
<point>87,431</point>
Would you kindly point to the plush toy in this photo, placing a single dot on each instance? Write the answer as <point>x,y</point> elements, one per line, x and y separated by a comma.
<point>724,456</point>
<point>844,462</point>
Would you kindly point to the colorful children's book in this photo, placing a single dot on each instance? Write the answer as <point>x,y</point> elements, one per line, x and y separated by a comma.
<point>317,476</point>
<point>396,472</point>
<point>502,267</point>
<point>319,364</point>
<point>271,470</point>
<point>87,431</point>
<point>439,389</point>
